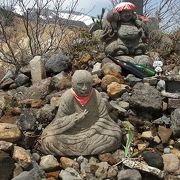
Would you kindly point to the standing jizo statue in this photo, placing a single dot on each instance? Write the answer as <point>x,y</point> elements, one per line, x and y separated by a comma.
<point>123,32</point>
<point>82,125</point>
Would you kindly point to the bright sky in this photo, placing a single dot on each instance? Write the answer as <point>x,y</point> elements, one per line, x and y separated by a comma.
<point>93,7</point>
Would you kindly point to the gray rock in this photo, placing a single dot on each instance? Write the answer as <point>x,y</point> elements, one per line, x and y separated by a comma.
<point>21,79</point>
<point>46,114</point>
<point>97,69</point>
<point>162,120</point>
<point>36,173</point>
<point>27,121</point>
<point>167,150</point>
<point>132,80</point>
<point>130,174</point>
<point>57,63</point>
<point>69,174</point>
<point>142,59</point>
<point>161,85</point>
<point>6,146</point>
<point>48,163</point>
<point>145,97</point>
<point>6,166</point>
<point>175,123</point>
<point>6,83</point>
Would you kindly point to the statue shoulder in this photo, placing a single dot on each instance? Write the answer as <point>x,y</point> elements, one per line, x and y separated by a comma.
<point>67,95</point>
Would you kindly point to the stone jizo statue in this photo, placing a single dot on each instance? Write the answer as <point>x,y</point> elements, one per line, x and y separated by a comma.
<point>123,33</point>
<point>82,125</point>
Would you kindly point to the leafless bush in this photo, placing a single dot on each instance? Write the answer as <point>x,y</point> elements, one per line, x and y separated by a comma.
<point>37,30</point>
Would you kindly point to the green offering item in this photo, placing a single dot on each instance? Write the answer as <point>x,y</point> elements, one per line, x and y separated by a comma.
<point>148,71</point>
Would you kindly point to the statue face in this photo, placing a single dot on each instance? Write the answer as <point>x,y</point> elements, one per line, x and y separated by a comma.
<point>126,16</point>
<point>82,82</point>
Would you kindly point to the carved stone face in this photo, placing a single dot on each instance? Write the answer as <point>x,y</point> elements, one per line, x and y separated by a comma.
<point>82,82</point>
<point>126,16</point>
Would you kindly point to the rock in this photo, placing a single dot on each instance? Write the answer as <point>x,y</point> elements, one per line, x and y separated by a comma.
<point>145,97</point>
<point>124,104</point>
<point>38,71</point>
<point>6,146</point>
<point>97,69</point>
<point>107,157</point>
<point>5,100</point>
<point>112,172</point>
<point>115,89</point>
<point>164,133</point>
<point>34,174</point>
<point>67,162</point>
<point>21,79</point>
<point>128,125</point>
<point>111,69</point>
<point>167,150</point>
<point>96,80</point>
<point>153,159</point>
<point>161,85</point>
<point>55,101</point>
<point>118,155</point>
<point>157,139</point>
<point>108,79</point>
<point>57,63</point>
<point>27,121</point>
<point>61,81</point>
<point>143,59</point>
<point>53,175</point>
<point>151,80</point>
<point>96,35</point>
<point>22,157</point>
<point>132,80</point>
<point>126,59</point>
<point>173,103</point>
<point>36,157</point>
<point>18,170</point>
<point>46,114</point>
<point>102,170</point>
<point>69,174</point>
<point>34,103</point>
<point>49,163</point>
<point>130,174</point>
<point>162,120</point>
<point>6,83</point>
<point>147,135</point>
<point>85,58</point>
<point>83,162</point>
<point>171,163</point>
<point>175,124</point>
<point>37,91</point>
<point>6,166</point>
<point>9,132</point>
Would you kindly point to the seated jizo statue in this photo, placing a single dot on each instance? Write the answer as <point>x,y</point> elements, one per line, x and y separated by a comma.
<point>82,125</point>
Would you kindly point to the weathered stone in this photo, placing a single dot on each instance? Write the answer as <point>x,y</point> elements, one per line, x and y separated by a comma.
<point>111,69</point>
<point>86,119</point>
<point>69,174</point>
<point>96,80</point>
<point>157,139</point>
<point>18,170</point>
<point>37,91</point>
<point>142,59</point>
<point>67,162</point>
<point>124,104</point>
<point>102,170</point>
<point>53,175</point>
<point>6,83</point>
<point>107,157</point>
<point>85,58</point>
<point>9,132</point>
<point>38,71</point>
<point>6,166</point>
<point>132,80</point>
<point>153,159</point>
<point>115,89</point>
<point>175,123</point>
<point>176,152</point>
<point>130,174</point>
<point>34,103</point>
<point>147,135</point>
<point>21,79</point>
<point>57,63</point>
<point>97,69</point>
<point>173,103</point>
<point>6,146</point>
<point>49,163</point>
<point>22,157</point>
<point>151,80</point>
<point>27,121</point>
<point>117,107</point>
<point>146,97</point>
<point>171,163</point>
<point>164,133</point>
<point>108,79</point>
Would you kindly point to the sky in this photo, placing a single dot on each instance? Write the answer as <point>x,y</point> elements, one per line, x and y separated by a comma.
<point>93,7</point>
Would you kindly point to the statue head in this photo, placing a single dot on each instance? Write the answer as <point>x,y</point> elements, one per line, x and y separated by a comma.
<point>127,16</point>
<point>82,82</point>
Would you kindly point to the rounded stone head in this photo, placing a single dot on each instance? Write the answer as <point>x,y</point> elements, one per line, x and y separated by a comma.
<point>82,82</point>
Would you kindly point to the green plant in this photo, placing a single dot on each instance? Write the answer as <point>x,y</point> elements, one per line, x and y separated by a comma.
<point>129,140</point>
<point>99,18</point>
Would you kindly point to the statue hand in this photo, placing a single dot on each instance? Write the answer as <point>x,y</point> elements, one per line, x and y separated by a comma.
<point>82,115</point>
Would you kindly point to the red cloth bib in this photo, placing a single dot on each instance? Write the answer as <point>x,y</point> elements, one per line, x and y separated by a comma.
<point>83,100</point>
